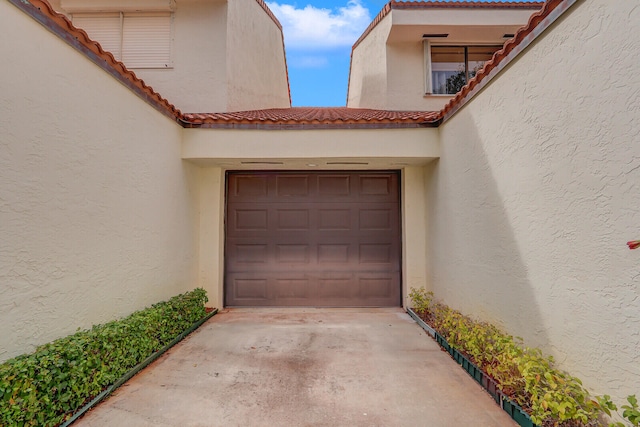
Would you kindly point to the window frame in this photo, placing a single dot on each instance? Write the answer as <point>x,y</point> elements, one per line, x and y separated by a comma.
<point>428,44</point>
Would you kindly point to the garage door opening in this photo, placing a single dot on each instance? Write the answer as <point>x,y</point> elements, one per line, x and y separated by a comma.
<point>314,239</point>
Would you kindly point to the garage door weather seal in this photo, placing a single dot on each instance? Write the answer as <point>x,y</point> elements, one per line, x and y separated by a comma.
<point>136,369</point>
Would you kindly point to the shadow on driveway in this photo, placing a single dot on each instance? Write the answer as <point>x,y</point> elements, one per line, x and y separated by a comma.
<point>302,367</point>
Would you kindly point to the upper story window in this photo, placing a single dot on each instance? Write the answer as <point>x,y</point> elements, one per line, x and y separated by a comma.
<point>451,67</point>
<point>140,40</point>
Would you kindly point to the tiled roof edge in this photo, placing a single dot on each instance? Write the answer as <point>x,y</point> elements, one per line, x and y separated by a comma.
<point>264,6</point>
<point>312,118</point>
<point>439,4</point>
<point>538,23</point>
<point>61,26</point>
<point>384,12</point>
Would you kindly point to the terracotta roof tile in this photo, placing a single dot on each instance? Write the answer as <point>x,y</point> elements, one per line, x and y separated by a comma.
<point>448,4</point>
<point>312,116</point>
<point>59,24</point>
<point>538,22</point>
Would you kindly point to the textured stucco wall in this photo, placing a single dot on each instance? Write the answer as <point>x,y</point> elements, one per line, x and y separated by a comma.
<point>368,73</point>
<point>96,216</point>
<point>256,67</point>
<point>211,190</point>
<point>414,244</point>
<point>537,190</point>
<point>197,81</point>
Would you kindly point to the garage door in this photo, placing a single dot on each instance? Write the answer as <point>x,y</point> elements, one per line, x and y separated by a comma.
<point>326,239</point>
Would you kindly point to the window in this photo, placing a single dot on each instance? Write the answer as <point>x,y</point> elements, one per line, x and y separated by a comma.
<point>140,40</point>
<point>451,67</point>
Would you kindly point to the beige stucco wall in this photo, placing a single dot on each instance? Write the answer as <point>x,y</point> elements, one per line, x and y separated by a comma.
<point>96,213</point>
<point>211,192</point>
<point>414,230</point>
<point>368,70</point>
<point>256,66</point>
<point>536,192</point>
<point>197,81</point>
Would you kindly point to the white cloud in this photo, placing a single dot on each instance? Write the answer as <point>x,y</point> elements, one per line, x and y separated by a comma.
<point>316,28</point>
<point>308,61</point>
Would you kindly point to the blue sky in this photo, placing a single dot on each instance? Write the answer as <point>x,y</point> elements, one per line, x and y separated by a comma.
<point>318,36</point>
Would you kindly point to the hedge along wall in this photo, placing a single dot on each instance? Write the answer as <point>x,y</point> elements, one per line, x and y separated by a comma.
<point>97,212</point>
<point>536,192</point>
<point>46,387</point>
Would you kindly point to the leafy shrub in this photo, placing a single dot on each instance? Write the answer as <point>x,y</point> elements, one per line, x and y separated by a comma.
<point>46,387</point>
<point>549,395</point>
<point>630,412</point>
<point>421,300</point>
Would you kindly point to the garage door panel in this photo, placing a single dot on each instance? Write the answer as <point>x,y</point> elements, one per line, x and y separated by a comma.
<point>312,239</point>
<point>290,253</point>
<point>375,185</point>
<point>250,219</point>
<point>377,287</point>
<point>330,253</point>
<point>251,186</point>
<point>292,289</point>
<point>292,219</point>
<point>337,288</point>
<point>293,186</point>
<point>252,289</point>
<point>375,219</point>
<point>250,253</point>
<point>374,253</point>
<point>335,185</point>
<point>334,219</point>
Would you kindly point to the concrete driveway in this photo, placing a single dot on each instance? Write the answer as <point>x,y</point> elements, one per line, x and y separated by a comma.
<point>302,367</point>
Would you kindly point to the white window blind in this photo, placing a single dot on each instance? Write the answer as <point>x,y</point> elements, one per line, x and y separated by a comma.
<point>104,28</point>
<point>146,41</point>
<point>140,40</point>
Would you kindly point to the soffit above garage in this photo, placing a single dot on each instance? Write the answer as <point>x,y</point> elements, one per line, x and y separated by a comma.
<point>323,148</point>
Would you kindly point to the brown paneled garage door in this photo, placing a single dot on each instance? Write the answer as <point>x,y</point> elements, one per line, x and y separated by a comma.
<point>325,239</point>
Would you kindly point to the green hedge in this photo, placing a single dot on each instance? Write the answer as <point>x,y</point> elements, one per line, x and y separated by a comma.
<point>551,396</point>
<point>46,387</point>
